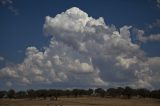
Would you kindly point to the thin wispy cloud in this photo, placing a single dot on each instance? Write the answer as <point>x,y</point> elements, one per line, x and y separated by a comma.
<point>9,5</point>
<point>1,58</point>
<point>158,3</point>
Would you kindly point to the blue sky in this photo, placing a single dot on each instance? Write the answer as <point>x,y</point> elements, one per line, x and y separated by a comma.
<point>22,26</point>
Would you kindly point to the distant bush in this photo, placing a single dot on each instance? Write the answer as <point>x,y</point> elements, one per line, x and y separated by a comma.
<point>126,92</point>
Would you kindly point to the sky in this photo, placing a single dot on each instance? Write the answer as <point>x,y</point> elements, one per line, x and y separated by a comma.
<point>79,44</point>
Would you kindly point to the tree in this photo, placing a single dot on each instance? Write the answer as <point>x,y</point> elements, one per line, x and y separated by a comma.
<point>143,92</point>
<point>75,92</point>
<point>100,92</point>
<point>42,93</point>
<point>54,94</point>
<point>31,93</point>
<point>2,94</point>
<point>11,93</point>
<point>128,92</point>
<point>57,94</point>
<point>90,91</point>
<point>112,92</point>
<point>119,91</point>
<point>155,94</point>
<point>67,93</point>
<point>21,94</point>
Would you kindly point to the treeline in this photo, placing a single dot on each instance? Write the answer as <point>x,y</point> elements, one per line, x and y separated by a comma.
<point>119,92</point>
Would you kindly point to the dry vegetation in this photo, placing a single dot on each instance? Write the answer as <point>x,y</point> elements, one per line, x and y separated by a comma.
<point>81,101</point>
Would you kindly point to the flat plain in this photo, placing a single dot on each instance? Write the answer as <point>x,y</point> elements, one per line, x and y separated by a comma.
<point>81,101</point>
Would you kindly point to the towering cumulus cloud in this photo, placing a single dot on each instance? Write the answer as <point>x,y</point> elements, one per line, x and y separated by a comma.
<point>84,52</point>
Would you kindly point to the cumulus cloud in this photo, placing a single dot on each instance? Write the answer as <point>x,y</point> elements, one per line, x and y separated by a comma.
<point>140,34</point>
<point>126,62</point>
<point>84,51</point>
<point>155,24</point>
<point>143,37</point>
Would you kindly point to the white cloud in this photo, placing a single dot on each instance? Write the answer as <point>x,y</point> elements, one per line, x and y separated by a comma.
<point>78,67</point>
<point>126,62</point>
<point>1,58</point>
<point>155,24</point>
<point>143,38</point>
<point>154,37</point>
<point>9,72</point>
<point>154,64</point>
<point>84,51</point>
<point>25,81</point>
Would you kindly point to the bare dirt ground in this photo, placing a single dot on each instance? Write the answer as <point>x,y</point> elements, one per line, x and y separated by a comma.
<point>81,101</point>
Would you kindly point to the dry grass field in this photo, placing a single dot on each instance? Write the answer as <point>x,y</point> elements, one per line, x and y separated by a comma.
<point>81,101</point>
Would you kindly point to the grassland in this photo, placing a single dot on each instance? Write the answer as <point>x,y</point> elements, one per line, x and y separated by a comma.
<point>81,101</point>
